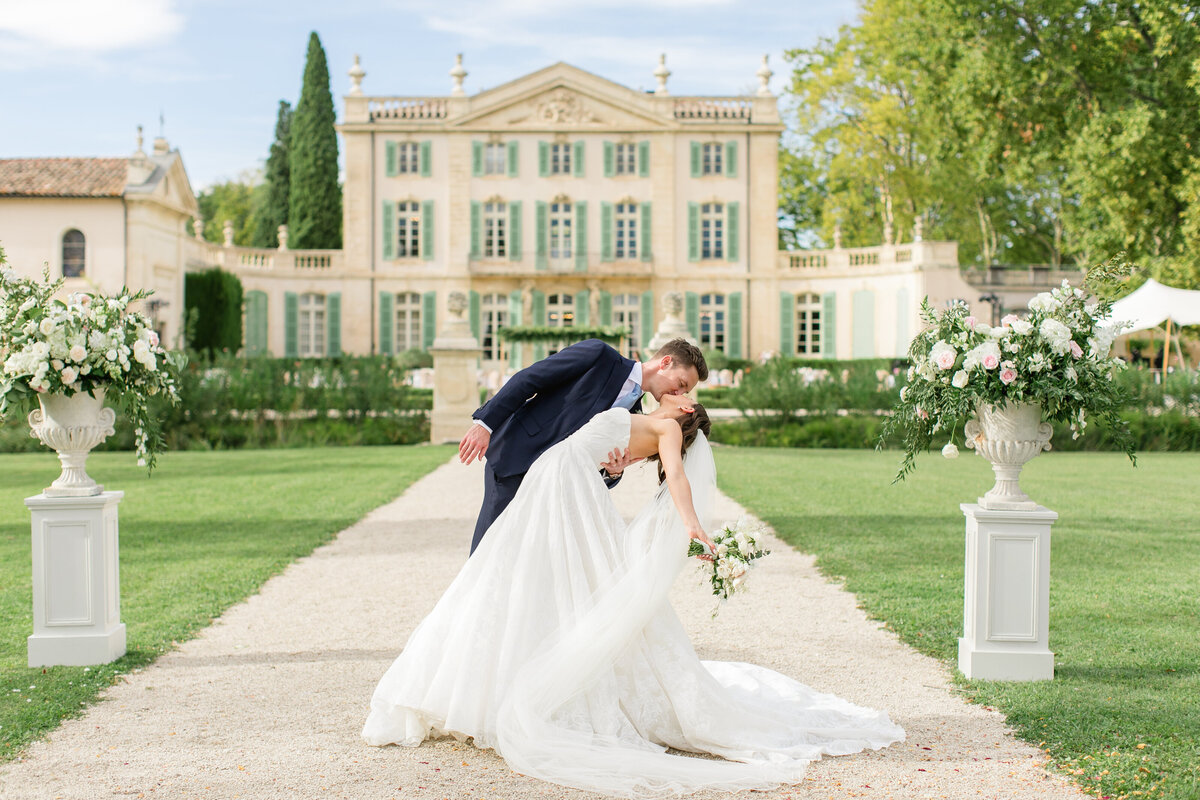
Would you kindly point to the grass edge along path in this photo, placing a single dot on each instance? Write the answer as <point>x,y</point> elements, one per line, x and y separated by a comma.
<point>200,535</point>
<point>1122,716</point>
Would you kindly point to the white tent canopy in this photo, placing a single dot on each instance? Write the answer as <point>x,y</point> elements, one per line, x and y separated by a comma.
<point>1153,304</point>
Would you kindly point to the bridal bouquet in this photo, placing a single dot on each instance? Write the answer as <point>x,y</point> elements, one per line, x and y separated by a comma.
<point>85,343</point>
<point>736,548</point>
<point>1057,356</point>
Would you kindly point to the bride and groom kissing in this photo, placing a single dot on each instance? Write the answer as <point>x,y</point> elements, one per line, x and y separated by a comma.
<point>556,644</point>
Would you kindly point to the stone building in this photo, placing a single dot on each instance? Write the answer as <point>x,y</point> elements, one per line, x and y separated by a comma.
<point>103,223</point>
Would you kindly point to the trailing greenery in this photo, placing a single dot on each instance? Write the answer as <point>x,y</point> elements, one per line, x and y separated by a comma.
<point>314,196</point>
<point>212,300</point>
<point>1122,716</point>
<point>569,335</point>
<point>204,533</point>
<point>273,200</point>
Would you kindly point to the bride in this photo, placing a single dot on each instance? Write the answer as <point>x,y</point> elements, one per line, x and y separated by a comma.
<point>556,644</point>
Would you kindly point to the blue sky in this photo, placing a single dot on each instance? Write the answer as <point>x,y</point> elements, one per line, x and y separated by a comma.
<point>78,76</point>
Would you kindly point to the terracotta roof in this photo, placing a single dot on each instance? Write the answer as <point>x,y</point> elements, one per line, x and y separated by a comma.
<point>63,177</point>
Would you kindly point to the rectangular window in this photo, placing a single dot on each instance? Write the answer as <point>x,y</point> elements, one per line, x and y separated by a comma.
<point>560,231</point>
<point>712,322</point>
<point>625,222</point>
<point>408,322</point>
<point>408,229</point>
<point>312,325</point>
<point>808,325</point>
<point>494,316</point>
<point>495,240</point>
<point>408,158</point>
<point>712,157</point>
<point>626,310</point>
<point>626,159</point>
<point>712,232</point>
<point>560,159</point>
<point>495,160</point>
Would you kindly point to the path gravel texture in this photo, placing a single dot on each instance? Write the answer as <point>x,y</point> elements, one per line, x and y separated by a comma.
<point>268,702</point>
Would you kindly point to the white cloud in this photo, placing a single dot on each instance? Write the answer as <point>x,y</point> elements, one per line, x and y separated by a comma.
<point>90,26</point>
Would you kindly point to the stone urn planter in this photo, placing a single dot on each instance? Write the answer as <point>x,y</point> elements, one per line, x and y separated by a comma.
<point>72,426</point>
<point>1008,438</point>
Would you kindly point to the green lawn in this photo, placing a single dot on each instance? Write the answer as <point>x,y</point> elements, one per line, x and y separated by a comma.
<point>201,534</point>
<point>1122,715</point>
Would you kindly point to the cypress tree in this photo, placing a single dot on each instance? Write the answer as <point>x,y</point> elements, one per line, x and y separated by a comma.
<point>314,197</point>
<point>274,211</point>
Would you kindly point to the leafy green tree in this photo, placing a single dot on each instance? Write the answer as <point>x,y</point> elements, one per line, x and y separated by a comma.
<point>314,196</point>
<point>235,200</point>
<point>274,211</point>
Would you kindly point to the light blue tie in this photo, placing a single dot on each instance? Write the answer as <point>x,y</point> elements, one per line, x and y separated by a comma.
<point>628,400</point>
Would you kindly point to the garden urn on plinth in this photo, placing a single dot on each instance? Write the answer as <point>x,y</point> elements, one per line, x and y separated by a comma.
<point>456,354</point>
<point>72,426</point>
<point>1008,437</point>
<point>673,325</point>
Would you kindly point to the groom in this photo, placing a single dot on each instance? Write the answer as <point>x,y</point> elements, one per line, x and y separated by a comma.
<point>548,401</point>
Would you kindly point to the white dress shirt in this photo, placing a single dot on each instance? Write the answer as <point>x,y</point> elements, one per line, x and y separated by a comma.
<point>634,379</point>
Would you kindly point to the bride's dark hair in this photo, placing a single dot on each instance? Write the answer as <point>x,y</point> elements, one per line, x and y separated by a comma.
<point>691,424</point>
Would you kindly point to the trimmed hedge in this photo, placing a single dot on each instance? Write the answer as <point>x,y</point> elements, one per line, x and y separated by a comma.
<point>212,302</point>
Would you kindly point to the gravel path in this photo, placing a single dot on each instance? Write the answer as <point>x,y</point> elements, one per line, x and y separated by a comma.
<point>268,702</point>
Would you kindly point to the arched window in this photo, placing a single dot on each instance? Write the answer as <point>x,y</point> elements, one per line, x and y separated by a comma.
<point>73,254</point>
<point>312,325</point>
<point>494,316</point>
<point>712,322</point>
<point>808,325</point>
<point>408,321</point>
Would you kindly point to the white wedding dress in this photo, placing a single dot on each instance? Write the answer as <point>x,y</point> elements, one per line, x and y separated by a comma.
<point>556,646</point>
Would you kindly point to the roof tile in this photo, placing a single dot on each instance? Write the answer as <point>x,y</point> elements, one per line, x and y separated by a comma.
<point>63,177</point>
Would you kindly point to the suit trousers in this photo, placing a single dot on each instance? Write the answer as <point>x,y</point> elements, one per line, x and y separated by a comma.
<point>497,494</point>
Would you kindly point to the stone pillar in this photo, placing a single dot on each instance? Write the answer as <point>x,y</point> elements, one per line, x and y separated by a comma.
<point>76,581</point>
<point>456,356</point>
<point>1006,608</point>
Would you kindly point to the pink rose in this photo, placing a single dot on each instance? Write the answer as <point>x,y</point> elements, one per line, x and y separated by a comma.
<point>922,413</point>
<point>1009,319</point>
<point>946,359</point>
<point>1008,375</point>
<point>970,322</point>
<point>153,339</point>
<point>1076,350</point>
<point>990,361</point>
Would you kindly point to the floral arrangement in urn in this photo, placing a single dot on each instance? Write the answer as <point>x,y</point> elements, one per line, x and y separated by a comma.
<point>86,344</point>
<point>1052,365</point>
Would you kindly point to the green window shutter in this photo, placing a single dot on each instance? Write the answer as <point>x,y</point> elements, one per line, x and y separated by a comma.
<point>581,237</point>
<point>647,320</point>
<point>428,319</point>
<point>474,314</point>
<point>513,153</point>
<point>543,159</point>
<point>543,234</point>
<point>514,318</point>
<point>476,159</point>
<point>387,323</point>
<point>644,241</point>
<point>389,148</point>
<point>577,157</point>
<point>514,230</point>
<point>692,313</point>
<point>539,307</point>
<point>606,231</point>
<point>787,324</point>
<point>255,344</point>
<point>732,220</point>
<point>693,231</point>
<point>426,158</point>
<point>862,321</point>
<point>902,312</point>
<point>696,160</point>
<point>731,159</point>
<point>583,309</point>
<point>605,307</point>
<point>609,160</point>
<point>291,325</point>
<point>389,230</point>
<point>476,229</point>
<point>333,324</point>
<point>829,325</point>
<point>427,230</point>
<point>261,326</point>
<point>644,159</point>
<point>733,330</point>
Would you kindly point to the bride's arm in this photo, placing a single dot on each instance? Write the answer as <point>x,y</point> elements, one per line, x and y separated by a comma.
<point>670,441</point>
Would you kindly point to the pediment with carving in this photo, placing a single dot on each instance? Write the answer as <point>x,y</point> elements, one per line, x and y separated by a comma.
<point>562,107</point>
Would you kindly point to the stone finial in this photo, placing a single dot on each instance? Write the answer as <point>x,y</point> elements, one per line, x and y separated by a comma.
<point>228,233</point>
<point>662,73</point>
<point>140,140</point>
<point>457,74</point>
<point>837,236</point>
<point>764,78</point>
<point>672,304</point>
<point>457,304</point>
<point>889,233</point>
<point>197,224</point>
<point>283,237</point>
<point>356,73</point>
<point>918,229</point>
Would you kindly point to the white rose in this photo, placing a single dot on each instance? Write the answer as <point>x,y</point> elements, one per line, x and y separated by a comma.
<point>78,353</point>
<point>1043,302</point>
<point>950,451</point>
<point>903,393</point>
<point>724,570</point>
<point>1021,327</point>
<point>738,569</point>
<point>111,355</point>
<point>47,326</point>
<point>984,328</point>
<point>960,379</point>
<point>69,375</point>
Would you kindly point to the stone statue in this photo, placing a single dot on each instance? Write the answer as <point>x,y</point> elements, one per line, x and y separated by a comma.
<point>457,304</point>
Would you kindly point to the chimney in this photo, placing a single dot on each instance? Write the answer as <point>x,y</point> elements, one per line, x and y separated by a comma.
<point>161,148</point>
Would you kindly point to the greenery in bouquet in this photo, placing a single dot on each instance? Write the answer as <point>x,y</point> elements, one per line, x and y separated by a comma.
<point>84,343</point>
<point>1058,356</point>
<point>737,547</point>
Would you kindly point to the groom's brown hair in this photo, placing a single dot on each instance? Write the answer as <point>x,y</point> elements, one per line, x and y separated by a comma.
<point>685,353</point>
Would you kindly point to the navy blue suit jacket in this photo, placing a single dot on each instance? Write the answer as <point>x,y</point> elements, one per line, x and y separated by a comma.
<point>548,401</point>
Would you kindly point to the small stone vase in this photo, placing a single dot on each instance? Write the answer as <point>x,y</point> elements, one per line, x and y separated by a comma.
<point>1008,437</point>
<point>72,426</point>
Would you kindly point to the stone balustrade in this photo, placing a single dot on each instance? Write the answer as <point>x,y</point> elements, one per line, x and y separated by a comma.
<point>840,261</point>
<point>264,259</point>
<point>709,109</point>
<point>407,108</point>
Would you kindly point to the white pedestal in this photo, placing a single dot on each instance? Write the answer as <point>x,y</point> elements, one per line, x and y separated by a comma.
<point>455,383</point>
<point>1006,610</point>
<point>76,581</point>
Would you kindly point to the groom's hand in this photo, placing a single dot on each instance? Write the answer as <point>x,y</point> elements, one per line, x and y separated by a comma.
<point>618,460</point>
<point>474,444</point>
